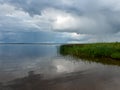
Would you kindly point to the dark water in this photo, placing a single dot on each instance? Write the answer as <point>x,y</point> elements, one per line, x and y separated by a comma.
<point>40,67</point>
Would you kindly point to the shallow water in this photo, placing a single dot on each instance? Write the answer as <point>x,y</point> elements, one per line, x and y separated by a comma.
<point>41,67</point>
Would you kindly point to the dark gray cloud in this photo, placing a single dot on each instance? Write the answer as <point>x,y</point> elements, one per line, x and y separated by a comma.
<point>92,18</point>
<point>35,6</point>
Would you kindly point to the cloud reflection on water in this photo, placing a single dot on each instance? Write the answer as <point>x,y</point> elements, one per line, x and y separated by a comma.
<point>16,61</point>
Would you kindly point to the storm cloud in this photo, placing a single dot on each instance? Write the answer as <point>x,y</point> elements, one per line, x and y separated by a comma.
<point>65,20</point>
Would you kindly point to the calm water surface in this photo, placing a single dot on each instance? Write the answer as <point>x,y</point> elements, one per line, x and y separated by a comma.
<point>41,67</point>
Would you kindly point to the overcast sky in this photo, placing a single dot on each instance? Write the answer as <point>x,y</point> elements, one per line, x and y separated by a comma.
<point>59,21</point>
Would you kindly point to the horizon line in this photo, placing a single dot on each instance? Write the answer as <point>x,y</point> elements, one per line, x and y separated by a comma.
<point>33,43</point>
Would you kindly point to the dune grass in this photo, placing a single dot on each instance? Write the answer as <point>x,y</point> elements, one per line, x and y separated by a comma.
<point>94,50</point>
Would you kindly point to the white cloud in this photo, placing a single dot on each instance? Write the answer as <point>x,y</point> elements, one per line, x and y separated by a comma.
<point>64,21</point>
<point>6,9</point>
<point>15,18</point>
<point>70,22</point>
<point>12,17</point>
<point>74,36</point>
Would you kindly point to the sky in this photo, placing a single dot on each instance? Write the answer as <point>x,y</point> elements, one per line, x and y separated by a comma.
<point>59,21</point>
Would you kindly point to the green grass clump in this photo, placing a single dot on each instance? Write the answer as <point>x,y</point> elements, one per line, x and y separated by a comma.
<point>116,55</point>
<point>96,50</point>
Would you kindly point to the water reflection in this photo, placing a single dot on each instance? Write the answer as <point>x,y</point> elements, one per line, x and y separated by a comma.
<point>73,81</point>
<point>39,67</point>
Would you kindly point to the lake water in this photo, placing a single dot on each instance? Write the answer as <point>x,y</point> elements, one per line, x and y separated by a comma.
<point>41,67</point>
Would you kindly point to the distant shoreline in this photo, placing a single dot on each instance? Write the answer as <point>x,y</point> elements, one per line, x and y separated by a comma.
<point>34,43</point>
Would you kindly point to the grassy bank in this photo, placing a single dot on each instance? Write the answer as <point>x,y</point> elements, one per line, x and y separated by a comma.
<point>95,50</point>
